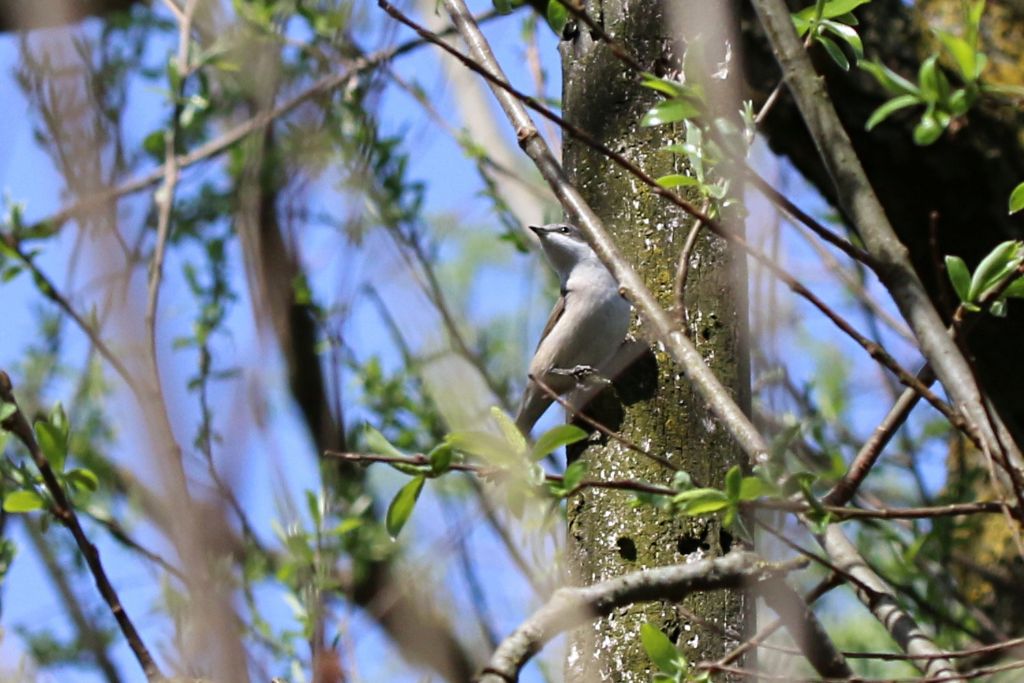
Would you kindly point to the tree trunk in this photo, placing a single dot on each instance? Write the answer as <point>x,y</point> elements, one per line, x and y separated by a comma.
<point>656,406</point>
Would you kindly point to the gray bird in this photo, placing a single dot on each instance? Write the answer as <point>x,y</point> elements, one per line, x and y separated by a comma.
<point>586,327</point>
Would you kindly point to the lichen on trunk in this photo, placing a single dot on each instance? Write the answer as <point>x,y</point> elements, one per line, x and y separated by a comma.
<point>656,407</point>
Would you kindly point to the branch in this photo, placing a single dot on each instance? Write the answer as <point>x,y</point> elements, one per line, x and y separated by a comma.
<point>880,599</point>
<point>63,510</point>
<point>846,561</point>
<point>805,628</point>
<point>859,201</point>
<point>843,490</point>
<point>678,346</point>
<point>419,460</point>
<point>165,196</point>
<point>569,607</point>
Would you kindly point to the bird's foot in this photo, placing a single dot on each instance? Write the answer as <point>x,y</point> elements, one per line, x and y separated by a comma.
<point>583,374</point>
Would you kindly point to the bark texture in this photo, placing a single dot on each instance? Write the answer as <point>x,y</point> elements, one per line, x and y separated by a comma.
<point>655,405</point>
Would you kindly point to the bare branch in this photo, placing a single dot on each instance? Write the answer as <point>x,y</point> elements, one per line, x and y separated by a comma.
<point>881,600</point>
<point>64,511</point>
<point>165,196</point>
<point>569,607</point>
<point>805,628</point>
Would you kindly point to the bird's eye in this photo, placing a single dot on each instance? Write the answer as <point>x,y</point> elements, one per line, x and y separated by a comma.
<point>564,230</point>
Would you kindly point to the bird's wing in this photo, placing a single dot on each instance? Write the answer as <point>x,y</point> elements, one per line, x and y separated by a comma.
<point>556,313</point>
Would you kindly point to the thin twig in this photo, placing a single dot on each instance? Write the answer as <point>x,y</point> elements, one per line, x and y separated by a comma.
<point>65,513</point>
<point>683,269</point>
<point>512,102</point>
<point>165,195</point>
<point>615,436</point>
<point>844,490</point>
<point>419,460</point>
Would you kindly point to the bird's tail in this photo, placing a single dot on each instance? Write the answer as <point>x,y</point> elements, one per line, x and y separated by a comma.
<point>533,405</point>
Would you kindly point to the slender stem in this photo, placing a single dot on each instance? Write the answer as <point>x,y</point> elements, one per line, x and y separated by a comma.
<point>64,511</point>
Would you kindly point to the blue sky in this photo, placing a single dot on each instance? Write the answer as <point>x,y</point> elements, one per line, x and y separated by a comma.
<point>263,476</point>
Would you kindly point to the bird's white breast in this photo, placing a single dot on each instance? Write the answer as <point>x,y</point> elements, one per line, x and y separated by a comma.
<point>601,315</point>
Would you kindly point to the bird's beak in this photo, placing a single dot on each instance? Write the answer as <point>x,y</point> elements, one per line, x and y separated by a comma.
<point>537,230</point>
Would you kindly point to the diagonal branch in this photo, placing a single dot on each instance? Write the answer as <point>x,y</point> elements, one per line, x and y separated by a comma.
<point>569,607</point>
<point>64,511</point>
<point>880,599</point>
<point>860,202</point>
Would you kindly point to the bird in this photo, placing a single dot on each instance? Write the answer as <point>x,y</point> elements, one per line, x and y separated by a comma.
<point>586,327</point>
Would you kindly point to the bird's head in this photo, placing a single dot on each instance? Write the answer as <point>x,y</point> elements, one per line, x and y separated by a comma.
<point>563,245</point>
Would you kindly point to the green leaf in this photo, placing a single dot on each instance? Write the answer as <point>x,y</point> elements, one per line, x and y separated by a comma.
<point>83,479</point>
<point>928,130</point>
<point>378,443</point>
<point>847,35</point>
<point>798,482</point>
<point>928,79</point>
<point>1017,199</point>
<point>557,16</point>
<point>960,102</point>
<point>663,85</point>
<point>910,553</point>
<point>835,52</point>
<point>677,180</point>
<point>752,488</point>
<point>963,53</point>
<point>889,79</point>
<point>23,501</point>
<point>509,430</point>
<point>348,525</point>
<point>402,505</point>
<point>1015,290</point>
<point>729,516</point>
<point>733,480</point>
<point>7,409</point>
<point>315,508</point>
<point>670,111</point>
<point>888,108</point>
<point>974,12</point>
<point>993,268</point>
<point>483,445</point>
<point>59,420</point>
<point>833,8</point>
<point>563,435</point>
<point>659,648</point>
<point>440,458</point>
<point>153,144</point>
<point>573,475</point>
<point>10,272</point>
<point>959,276</point>
<point>702,501</point>
<point>53,445</point>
